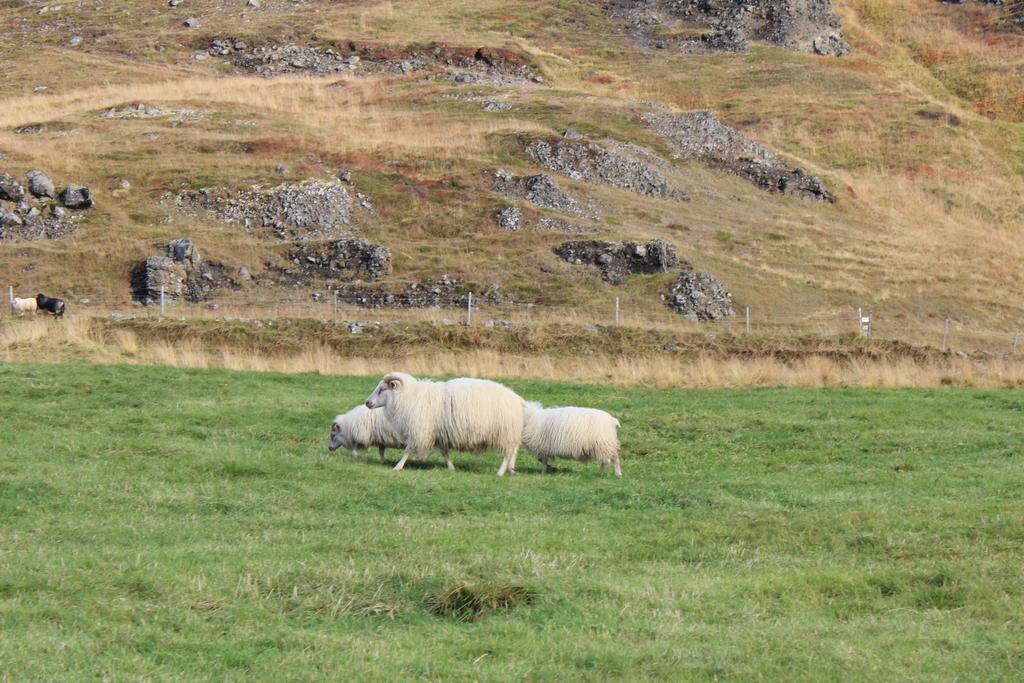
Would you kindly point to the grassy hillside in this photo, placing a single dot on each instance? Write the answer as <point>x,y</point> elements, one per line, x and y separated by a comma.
<point>918,133</point>
<point>162,523</point>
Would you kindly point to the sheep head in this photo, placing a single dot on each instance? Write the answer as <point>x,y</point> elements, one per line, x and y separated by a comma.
<point>337,439</point>
<point>387,389</point>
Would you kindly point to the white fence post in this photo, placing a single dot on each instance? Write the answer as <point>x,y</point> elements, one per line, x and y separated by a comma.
<point>616,310</point>
<point>746,315</point>
<point>469,309</point>
<point>161,301</point>
<point>945,335</point>
<point>334,309</point>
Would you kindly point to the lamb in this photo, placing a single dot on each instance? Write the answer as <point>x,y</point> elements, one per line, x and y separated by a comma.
<point>465,414</point>
<point>19,305</point>
<point>576,433</point>
<point>361,428</point>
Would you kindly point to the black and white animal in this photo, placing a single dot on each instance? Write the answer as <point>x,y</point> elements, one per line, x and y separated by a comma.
<point>54,306</point>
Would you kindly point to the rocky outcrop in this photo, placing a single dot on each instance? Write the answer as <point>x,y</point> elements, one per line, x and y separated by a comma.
<point>541,190</point>
<point>347,259</point>
<point>492,65</point>
<point>181,272</point>
<point>617,260</point>
<point>509,218</point>
<point>702,137</point>
<point>141,110</point>
<point>444,292</point>
<point>37,214</point>
<point>312,209</point>
<point>802,25</point>
<point>629,167</point>
<point>699,297</point>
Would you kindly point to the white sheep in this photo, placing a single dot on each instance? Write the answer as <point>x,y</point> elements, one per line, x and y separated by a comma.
<point>362,428</point>
<point>576,433</point>
<point>26,305</point>
<point>462,414</point>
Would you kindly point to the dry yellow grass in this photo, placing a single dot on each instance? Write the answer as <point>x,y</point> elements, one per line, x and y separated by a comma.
<point>347,114</point>
<point>80,339</point>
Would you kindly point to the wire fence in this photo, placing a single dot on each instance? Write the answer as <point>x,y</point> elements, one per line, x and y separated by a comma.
<point>933,330</point>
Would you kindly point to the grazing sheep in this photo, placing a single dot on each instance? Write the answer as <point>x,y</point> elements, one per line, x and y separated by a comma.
<point>464,414</point>
<point>576,433</point>
<point>26,305</point>
<point>55,306</point>
<point>361,428</point>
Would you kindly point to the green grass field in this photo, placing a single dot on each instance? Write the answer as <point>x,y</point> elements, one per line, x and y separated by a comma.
<point>167,524</point>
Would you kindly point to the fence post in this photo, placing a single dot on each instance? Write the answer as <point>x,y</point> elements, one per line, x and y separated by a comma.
<point>945,335</point>
<point>746,314</point>
<point>616,310</point>
<point>334,309</point>
<point>10,297</point>
<point>161,302</point>
<point>469,309</point>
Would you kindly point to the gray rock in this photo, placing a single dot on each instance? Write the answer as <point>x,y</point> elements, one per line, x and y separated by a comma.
<point>571,134</point>
<point>541,190</point>
<point>305,210</point>
<point>700,297</point>
<point>280,169</point>
<point>10,220</point>
<point>510,218</point>
<point>244,273</point>
<point>192,22</point>
<point>345,176</point>
<point>802,25</point>
<point>346,259</point>
<point>444,291</point>
<point>76,197</point>
<point>253,3</point>
<point>701,136</point>
<point>627,166</point>
<point>183,273</point>
<point>10,189</point>
<point>40,184</point>
<point>174,3</point>
<point>75,41</point>
<point>617,260</point>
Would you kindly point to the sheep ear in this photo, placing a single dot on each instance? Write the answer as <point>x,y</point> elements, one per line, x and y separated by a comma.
<point>334,428</point>
<point>394,384</point>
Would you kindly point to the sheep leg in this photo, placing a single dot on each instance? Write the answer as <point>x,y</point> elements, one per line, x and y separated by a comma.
<point>380,450</point>
<point>405,456</point>
<point>447,460</point>
<point>618,469</point>
<point>508,463</point>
